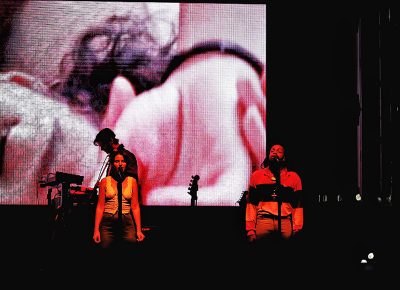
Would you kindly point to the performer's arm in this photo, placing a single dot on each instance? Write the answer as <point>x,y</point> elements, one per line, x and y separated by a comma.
<point>99,210</point>
<point>136,210</point>
<point>298,214</point>
<point>251,214</point>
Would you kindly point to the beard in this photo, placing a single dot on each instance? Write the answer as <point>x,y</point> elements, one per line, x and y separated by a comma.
<point>275,165</point>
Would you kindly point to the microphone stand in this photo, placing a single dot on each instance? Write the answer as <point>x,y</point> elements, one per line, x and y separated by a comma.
<point>121,178</point>
<point>278,185</point>
<point>106,164</point>
<point>119,188</point>
<point>276,170</point>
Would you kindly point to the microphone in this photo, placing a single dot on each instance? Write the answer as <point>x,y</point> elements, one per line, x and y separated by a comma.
<point>120,172</point>
<point>276,159</point>
<point>275,166</point>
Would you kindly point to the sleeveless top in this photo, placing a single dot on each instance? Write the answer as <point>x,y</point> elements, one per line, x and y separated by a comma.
<point>111,195</point>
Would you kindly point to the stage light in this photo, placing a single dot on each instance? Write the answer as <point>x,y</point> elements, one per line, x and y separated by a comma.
<point>389,199</point>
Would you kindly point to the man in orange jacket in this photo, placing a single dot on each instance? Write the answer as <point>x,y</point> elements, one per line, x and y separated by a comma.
<point>274,199</point>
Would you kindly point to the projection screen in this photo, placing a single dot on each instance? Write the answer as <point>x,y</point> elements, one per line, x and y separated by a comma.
<point>182,85</point>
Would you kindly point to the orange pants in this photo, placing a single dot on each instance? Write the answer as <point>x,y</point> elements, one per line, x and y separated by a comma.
<point>268,225</point>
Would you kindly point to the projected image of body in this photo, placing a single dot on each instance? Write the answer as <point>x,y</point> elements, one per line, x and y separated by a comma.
<point>185,94</point>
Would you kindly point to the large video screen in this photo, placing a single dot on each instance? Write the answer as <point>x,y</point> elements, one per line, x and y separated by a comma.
<point>182,85</point>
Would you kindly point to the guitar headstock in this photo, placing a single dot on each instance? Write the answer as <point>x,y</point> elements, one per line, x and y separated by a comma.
<point>193,186</point>
<point>242,200</point>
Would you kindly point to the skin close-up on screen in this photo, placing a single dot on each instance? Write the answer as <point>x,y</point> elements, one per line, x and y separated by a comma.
<point>182,85</point>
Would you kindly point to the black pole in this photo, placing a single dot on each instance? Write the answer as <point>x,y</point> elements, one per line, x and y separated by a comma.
<point>276,171</point>
<point>278,185</point>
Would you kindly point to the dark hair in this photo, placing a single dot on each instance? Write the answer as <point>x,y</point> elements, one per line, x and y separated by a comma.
<point>119,152</point>
<point>122,46</point>
<point>265,162</point>
<point>113,170</point>
<point>105,135</point>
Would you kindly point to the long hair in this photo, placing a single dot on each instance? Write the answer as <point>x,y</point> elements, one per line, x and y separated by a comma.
<point>264,164</point>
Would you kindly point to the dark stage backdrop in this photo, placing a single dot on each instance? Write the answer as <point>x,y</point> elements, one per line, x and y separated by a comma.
<point>312,94</point>
<point>333,100</point>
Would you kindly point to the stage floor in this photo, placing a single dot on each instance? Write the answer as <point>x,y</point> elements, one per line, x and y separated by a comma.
<point>205,242</point>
